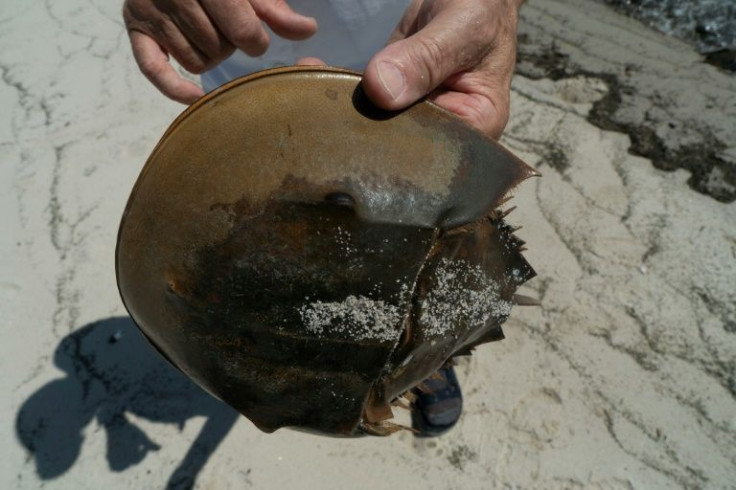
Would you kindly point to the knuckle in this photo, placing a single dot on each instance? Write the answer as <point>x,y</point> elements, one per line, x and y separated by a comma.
<point>127,15</point>
<point>211,47</point>
<point>480,119</point>
<point>193,64</point>
<point>150,68</point>
<point>248,35</point>
<point>220,55</point>
<point>137,18</point>
<point>496,118</point>
<point>130,11</point>
<point>430,52</point>
<point>496,128</point>
<point>486,114</point>
<point>429,58</point>
<point>268,7</point>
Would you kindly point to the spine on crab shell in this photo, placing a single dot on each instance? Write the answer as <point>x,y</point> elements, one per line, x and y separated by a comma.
<point>409,396</point>
<point>465,351</point>
<point>523,300</point>
<point>424,388</point>
<point>399,403</point>
<point>504,200</point>
<point>506,212</point>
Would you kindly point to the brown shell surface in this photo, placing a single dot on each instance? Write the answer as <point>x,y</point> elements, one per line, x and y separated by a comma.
<point>308,258</point>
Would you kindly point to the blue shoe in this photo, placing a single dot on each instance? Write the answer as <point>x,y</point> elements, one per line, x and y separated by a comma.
<point>438,404</point>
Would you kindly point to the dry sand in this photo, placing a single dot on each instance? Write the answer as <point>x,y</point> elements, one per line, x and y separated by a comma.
<point>625,378</point>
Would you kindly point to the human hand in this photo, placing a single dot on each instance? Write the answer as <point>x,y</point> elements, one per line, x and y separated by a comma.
<point>200,34</point>
<point>459,52</point>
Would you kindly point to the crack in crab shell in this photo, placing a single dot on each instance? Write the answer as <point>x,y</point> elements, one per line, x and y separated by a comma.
<point>281,242</point>
<point>463,294</point>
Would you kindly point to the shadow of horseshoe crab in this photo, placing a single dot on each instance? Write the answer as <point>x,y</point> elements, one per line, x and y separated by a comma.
<point>112,370</point>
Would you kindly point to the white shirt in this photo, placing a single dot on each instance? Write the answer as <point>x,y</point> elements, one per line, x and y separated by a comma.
<point>350,32</point>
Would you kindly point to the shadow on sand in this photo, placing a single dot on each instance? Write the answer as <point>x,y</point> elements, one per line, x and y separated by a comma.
<point>112,370</point>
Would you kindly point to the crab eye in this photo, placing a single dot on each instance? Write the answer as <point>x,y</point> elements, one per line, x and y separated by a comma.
<point>340,199</point>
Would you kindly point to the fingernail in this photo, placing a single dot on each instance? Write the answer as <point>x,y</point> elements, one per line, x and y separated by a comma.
<point>391,78</point>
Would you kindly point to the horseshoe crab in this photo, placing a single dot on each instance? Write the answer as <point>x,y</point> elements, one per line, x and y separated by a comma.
<point>309,258</point>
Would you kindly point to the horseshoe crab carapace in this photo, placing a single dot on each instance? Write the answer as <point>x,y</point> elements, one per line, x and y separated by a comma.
<point>308,258</point>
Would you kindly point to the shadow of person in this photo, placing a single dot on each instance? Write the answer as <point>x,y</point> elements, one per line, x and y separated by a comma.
<point>111,371</point>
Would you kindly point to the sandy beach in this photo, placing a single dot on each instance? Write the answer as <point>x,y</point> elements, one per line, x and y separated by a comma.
<point>624,378</point>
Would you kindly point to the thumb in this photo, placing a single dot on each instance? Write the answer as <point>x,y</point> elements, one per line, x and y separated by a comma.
<point>407,70</point>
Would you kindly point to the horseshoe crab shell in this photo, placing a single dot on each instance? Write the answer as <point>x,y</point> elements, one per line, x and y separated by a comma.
<point>308,258</point>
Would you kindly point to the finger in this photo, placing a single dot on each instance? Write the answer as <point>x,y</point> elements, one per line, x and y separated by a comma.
<point>197,27</point>
<point>408,69</point>
<point>408,23</point>
<point>166,33</point>
<point>238,22</point>
<point>283,20</point>
<point>154,64</point>
<point>486,114</point>
<point>173,41</point>
<point>310,61</point>
<point>481,96</point>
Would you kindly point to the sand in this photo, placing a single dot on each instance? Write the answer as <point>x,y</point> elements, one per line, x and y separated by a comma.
<point>624,378</point>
